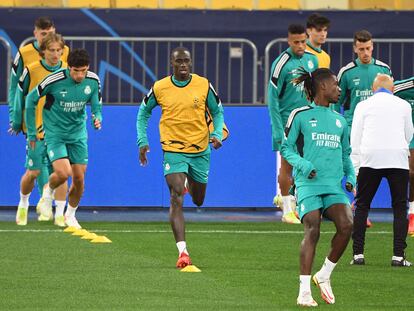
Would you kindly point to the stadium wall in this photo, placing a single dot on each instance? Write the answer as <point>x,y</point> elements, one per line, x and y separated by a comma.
<point>242,173</point>
<point>258,26</point>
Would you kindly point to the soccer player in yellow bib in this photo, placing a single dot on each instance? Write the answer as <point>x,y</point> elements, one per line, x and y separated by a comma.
<point>317,29</point>
<point>29,54</point>
<point>184,99</point>
<point>51,50</point>
<point>26,55</point>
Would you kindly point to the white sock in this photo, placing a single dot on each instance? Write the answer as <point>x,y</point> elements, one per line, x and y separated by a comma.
<point>48,193</point>
<point>287,208</point>
<point>60,207</point>
<point>182,247</point>
<point>397,258</point>
<point>327,268</point>
<point>411,208</point>
<point>304,283</point>
<point>24,200</point>
<point>70,211</point>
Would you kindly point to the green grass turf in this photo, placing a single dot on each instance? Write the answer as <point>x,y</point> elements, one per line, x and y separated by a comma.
<point>250,266</point>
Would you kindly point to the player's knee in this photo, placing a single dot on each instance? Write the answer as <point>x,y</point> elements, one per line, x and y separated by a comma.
<point>198,200</point>
<point>62,174</point>
<point>78,180</point>
<point>312,234</point>
<point>346,227</point>
<point>176,197</point>
<point>32,174</point>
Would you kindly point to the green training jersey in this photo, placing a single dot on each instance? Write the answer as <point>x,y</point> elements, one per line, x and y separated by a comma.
<point>317,138</point>
<point>355,81</point>
<point>24,57</point>
<point>64,112</point>
<point>405,90</point>
<point>186,89</point>
<point>32,75</point>
<point>282,95</point>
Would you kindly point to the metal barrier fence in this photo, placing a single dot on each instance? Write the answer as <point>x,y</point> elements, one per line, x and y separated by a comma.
<point>5,62</point>
<point>128,67</point>
<point>397,53</point>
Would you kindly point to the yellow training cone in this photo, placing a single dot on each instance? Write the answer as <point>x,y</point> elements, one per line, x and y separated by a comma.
<point>80,232</point>
<point>70,229</point>
<point>190,268</point>
<point>89,236</point>
<point>101,239</point>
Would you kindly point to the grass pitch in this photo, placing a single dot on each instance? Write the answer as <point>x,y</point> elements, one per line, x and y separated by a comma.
<point>245,266</point>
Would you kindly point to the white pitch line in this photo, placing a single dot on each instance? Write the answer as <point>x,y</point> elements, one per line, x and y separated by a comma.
<point>169,231</point>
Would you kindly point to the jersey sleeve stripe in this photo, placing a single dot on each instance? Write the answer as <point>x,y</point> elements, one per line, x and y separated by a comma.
<point>49,80</point>
<point>16,63</point>
<point>345,68</point>
<point>94,76</point>
<point>148,96</point>
<point>382,64</point>
<point>215,94</point>
<point>403,86</point>
<point>279,66</point>
<point>292,116</point>
<point>22,78</point>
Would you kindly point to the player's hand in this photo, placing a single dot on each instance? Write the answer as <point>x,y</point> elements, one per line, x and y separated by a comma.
<point>32,144</point>
<point>312,174</point>
<point>349,187</point>
<point>13,132</point>
<point>96,122</point>
<point>143,155</point>
<point>215,142</point>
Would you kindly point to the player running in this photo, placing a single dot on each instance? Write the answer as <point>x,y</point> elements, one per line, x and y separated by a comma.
<point>64,121</point>
<point>184,99</point>
<point>51,50</point>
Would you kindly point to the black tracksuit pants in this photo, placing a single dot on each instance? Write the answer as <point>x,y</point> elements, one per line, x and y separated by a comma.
<point>368,182</point>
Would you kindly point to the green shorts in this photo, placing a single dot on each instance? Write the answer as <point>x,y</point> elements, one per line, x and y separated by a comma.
<point>76,152</point>
<point>320,202</point>
<point>411,144</point>
<point>194,165</point>
<point>36,158</point>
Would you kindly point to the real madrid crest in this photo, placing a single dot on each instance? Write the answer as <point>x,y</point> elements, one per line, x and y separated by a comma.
<point>338,123</point>
<point>87,90</point>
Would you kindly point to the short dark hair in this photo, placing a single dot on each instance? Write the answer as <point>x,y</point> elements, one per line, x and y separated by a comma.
<point>362,36</point>
<point>296,29</point>
<point>180,49</point>
<point>78,58</point>
<point>312,80</point>
<point>316,20</point>
<point>44,22</point>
